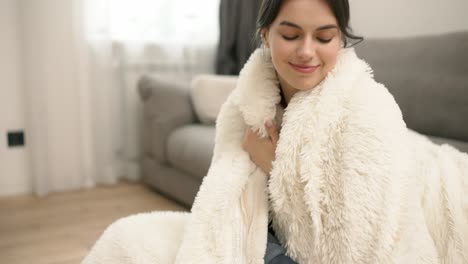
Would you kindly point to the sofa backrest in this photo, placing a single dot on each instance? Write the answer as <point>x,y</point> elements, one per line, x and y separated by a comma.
<point>428,76</point>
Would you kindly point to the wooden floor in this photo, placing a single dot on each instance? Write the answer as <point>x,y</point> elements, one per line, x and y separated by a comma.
<point>61,228</point>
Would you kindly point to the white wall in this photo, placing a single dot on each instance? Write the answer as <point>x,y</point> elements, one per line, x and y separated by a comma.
<point>14,166</point>
<point>401,18</point>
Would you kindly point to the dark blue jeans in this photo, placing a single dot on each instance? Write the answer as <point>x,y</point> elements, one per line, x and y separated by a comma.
<point>275,253</point>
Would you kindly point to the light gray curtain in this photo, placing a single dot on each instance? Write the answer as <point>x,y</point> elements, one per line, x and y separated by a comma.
<point>237,31</point>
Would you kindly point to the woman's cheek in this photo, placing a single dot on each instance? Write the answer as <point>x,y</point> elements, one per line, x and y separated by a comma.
<point>330,55</point>
<point>280,48</point>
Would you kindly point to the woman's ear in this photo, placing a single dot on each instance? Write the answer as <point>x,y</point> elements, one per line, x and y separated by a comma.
<point>264,34</point>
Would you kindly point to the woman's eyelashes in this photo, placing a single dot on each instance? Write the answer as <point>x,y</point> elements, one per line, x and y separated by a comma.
<point>321,40</point>
<point>290,37</point>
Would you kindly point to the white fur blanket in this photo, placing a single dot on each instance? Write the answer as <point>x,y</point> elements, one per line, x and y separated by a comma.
<point>350,183</point>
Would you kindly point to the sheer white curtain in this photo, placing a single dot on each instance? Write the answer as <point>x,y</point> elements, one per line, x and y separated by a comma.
<point>69,97</point>
<point>82,59</point>
<point>166,36</point>
<point>172,39</point>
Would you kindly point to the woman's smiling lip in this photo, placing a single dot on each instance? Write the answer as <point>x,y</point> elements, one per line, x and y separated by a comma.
<point>304,68</point>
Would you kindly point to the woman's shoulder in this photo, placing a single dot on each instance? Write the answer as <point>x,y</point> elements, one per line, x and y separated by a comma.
<point>372,102</point>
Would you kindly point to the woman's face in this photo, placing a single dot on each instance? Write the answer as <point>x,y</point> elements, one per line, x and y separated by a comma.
<point>304,41</point>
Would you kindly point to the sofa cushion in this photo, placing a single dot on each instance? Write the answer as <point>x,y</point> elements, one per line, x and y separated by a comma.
<point>190,149</point>
<point>208,93</point>
<point>166,106</point>
<point>428,76</point>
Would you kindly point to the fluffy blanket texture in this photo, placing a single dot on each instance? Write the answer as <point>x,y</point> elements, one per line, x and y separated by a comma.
<point>350,183</point>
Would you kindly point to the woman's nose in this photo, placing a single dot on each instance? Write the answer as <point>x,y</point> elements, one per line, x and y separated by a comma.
<point>306,50</point>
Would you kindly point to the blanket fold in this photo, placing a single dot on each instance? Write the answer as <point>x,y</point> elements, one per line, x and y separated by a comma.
<point>350,183</point>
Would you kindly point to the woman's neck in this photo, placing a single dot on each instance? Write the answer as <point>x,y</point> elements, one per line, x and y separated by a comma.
<point>287,92</point>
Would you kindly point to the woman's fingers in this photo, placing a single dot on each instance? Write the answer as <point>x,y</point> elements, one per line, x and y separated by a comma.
<point>251,135</point>
<point>272,131</point>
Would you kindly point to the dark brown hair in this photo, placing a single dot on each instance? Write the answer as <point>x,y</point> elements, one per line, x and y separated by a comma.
<point>270,8</point>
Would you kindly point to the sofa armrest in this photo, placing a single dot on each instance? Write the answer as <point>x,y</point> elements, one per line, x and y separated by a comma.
<point>166,107</point>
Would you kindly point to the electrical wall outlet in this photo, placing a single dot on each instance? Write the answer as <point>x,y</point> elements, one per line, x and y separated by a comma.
<point>15,138</point>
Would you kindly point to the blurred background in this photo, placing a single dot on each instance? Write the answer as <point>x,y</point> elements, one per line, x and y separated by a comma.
<point>84,86</point>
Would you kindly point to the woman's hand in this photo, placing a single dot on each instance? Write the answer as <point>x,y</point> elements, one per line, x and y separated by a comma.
<point>262,150</point>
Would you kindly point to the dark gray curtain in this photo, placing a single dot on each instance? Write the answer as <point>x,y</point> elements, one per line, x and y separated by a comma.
<point>237,19</point>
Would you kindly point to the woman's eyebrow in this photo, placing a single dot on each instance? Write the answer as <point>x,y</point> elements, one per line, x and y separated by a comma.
<point>290,24</point>
<point>327,27</point>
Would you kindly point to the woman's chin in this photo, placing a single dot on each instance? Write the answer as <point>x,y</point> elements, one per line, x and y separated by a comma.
<point>305,85</point>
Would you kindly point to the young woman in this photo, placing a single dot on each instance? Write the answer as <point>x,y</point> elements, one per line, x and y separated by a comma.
<point>304,38</point>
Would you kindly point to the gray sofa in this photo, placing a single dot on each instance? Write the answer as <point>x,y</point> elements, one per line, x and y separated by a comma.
<point>428,77</point>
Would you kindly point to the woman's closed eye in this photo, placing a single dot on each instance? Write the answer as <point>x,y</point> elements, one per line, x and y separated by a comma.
<point>290,37</point>
<point>324,40</point>
<point>321,40</point>
<point>325,37</point>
